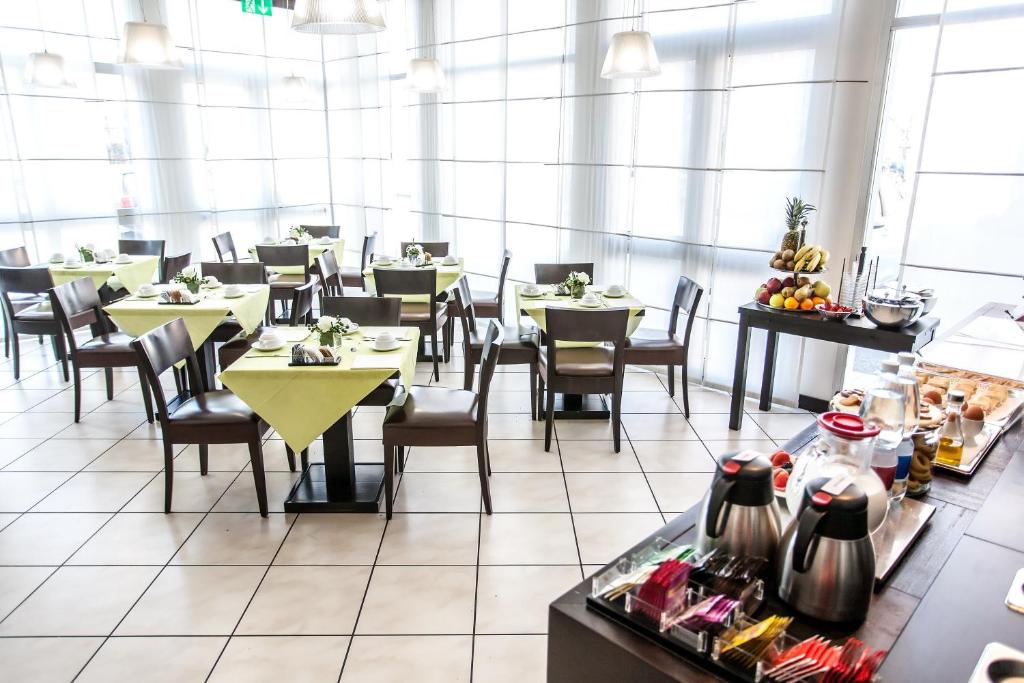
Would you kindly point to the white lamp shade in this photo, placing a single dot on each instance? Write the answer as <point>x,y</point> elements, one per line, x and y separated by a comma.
<point>295,89</point>
<point>148,45</point>
<point>425,75</point>
<point>46,69</point>
<point>338,16</point>
<point>631,54</point>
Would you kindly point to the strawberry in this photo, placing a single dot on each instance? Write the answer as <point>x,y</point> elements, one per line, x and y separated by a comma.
<point>781,479</point>
<point>780,458</point>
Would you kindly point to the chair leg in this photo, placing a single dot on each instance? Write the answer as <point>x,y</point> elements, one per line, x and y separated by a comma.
<point>533,391</point>
<point>671,380</point>
<point>617,420</point>
<point>62,354</point>
<point>433,355</point>
<point>686,392</point>
<point>400,461</point>
<point>258,475</point>
<point>481,461</point>
<point>204,459</point>
<point>78,392</point>
<point>389,479</point>
<point>291,457</point>
<point>17,354</point>
<point>108,376</point>
<point>446,340</point>
<point>540,398</point>
<point>168,474</point>
<point>304,459</point>
<point>549,419</point>
<point>7,339</point>
<point>147,395</point>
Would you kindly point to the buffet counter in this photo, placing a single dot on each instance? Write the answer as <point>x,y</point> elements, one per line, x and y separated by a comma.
<point>935,614</point>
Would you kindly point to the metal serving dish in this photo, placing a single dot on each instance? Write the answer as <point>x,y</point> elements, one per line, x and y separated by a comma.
<point>892,309</point>
<point>928,299</point>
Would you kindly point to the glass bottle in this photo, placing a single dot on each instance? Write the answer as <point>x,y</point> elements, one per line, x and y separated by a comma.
<point>951,436</point>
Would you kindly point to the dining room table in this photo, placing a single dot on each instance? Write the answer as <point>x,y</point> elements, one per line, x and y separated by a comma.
<point>535,306</point>
<point>302,402</point>
<point>132,272</point>
<point>137,314</point>
<point>316,247</point>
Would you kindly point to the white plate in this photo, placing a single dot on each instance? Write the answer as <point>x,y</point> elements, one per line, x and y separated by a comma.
<point>259,346</point>
<point>531,296</point>
<point>119,262</point>
<point>382,264</point>
<point>234,296</point>
<point>216,286</point>
<point>596,304</point>
<point>615,296</point>
<point>146,296</point>
<point>394,346</point>
<point>72,265</point>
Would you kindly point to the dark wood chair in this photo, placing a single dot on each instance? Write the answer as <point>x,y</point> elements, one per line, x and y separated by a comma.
<point>555,273</point>
<point>208,417</point>
<point>433,248</point>
<point>318,231</point>
<point>369,311</point>
<point>353,277</point>
<point>517,349</point>
<point>430,315</point>
<point>492,304</point>
<point>230,273</point>
<point>329,274</point>
<point>77,304</point>
<point>17,258</point>
<point>442,417</point>
<point>173,265</point>
<point>667,348</point>
<point>281,286</point>
<point>583,370</point>
<point>33,319</point>
<point>224,245</point>
<point>144,248</point>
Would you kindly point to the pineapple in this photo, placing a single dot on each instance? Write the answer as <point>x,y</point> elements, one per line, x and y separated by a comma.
<point>796,219</point>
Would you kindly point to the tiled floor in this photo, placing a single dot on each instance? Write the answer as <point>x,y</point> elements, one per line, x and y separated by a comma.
<point>97,584</point>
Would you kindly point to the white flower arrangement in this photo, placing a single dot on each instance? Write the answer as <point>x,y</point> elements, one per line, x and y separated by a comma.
<point>189,277</point>
<point>575,283</point>
<point>298,233</point>
<point>329,325</point>
<point>414,252</point>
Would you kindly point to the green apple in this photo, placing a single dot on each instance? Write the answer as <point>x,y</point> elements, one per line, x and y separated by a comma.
<point>777,300</point>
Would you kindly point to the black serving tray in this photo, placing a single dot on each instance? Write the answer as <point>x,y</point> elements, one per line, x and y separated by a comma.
<point>176,303</point>
<point>327,363</point>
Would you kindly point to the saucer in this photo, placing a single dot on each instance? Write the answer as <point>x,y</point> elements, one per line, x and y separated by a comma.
<point>593,304</point>
<point>146,296</point>
<point>215,286</point>
<point>394,345</point>
<point>618,295</point>
<point>260,346</point>
<point>454,262</point>
<point>71,265</point>
<point>122,263</point>
<point>534,295</point>
<point>234,296</point>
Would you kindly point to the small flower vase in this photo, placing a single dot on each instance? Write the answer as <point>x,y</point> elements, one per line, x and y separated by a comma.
<point>192,287</point>
<point>577,291</point>
<point>327,339</point>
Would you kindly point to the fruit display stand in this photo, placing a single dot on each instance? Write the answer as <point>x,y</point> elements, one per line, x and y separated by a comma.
<point>799,283</point>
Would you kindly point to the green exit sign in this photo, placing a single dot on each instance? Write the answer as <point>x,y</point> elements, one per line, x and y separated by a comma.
<point>262,7</point>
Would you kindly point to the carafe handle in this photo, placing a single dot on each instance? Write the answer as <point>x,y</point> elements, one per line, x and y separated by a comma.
<point>716,501</point>
<point>808,524</point>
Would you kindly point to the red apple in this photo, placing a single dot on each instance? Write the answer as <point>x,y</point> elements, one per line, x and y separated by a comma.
<point>773,285</point>
<point>763,295</point>
<point>788,282</point>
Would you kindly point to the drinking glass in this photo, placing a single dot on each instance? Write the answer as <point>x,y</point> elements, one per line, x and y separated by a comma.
<point>908,388</point>
<point>886,409</point>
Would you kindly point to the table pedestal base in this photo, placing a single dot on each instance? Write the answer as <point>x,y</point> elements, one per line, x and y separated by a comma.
<point>310,492</point>
<point>581,407</point>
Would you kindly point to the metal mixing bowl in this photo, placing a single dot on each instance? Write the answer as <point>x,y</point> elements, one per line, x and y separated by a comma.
<point>886,308</point>
<point>928,299</point>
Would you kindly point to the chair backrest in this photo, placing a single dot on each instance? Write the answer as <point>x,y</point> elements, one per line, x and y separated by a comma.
<point>174,265</point>
<point>369,244</point>
<point>435,248</point>
<point>505,260</point>
<point>493,340</point>
<point>332,231</point>
<point>370,311</point>
<point>687,298</point>
<point>75,304</point>
<point>302,304</point>
<point>224,244</point>
<point>330,274</point>
<point>296,255</point>
<point>573,325</point>
<point>22,281</point>
<point>422,281</point>
<point>555,273</point>
<point>235,273</point>
<point>15,258</point>
<point>158,350</point>
<point>464,306</point>
<point>142,247</point>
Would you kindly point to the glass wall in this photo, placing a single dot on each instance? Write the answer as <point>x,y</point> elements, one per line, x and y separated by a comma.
<point>223,144</point>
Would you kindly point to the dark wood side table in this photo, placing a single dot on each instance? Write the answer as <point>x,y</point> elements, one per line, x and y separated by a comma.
<point>852,332</point>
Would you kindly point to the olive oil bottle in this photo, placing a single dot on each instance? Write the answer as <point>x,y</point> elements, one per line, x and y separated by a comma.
<point>951,438</point>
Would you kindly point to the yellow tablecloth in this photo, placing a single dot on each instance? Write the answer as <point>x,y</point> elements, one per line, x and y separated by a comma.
<point>132,275</point>
<point>315,249</point>
<point>536,307</point>
<point>302,402</point>
<point>137,316</point>
<point>446,276</point>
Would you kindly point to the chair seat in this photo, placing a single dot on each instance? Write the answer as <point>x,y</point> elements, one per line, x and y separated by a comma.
<point>383,395</point>
<point>214,408</point>
<point>35,314</point>
<point>485,299</point>
<point>420,312</point>
<point>652,340</point>
<point>278,280</point>
<point>512,340</point>
<point>436,408</point>
<point>113,343</point>
<point>590,361</point>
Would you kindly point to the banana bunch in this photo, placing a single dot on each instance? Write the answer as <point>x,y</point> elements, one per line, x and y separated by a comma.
<point>810,258</point>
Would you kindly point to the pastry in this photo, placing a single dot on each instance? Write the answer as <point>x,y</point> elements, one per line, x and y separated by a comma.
<point>940,382</point>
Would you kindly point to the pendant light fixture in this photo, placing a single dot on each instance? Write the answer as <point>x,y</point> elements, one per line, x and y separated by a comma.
<point>631,54</point>
<point>148,45</point>
<point>338,16</point>
<point>46,69</point>
<point>424,74</point>
<point>295,89</point>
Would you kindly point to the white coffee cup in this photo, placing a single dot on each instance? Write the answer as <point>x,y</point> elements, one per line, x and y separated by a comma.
<point>271,338</point>
<point>531,289</point>
<point>382,259</point>
<point>147,289</point>
<point>615,290</point>
<point>57,257</point>
<point>212,282</point>
<point>269,240</point>
<point>589,298</point>
<point>232,290</point>
<point>325,240</point>
<point>124,258</point>
<point>450,260</point>
<point>385,340</point>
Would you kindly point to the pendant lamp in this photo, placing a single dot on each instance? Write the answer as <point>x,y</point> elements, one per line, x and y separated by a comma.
<point>46,69</point>
<point>148,45</point>
<point>338,16</point>
<point>425,75</point>
<point>631,54</point>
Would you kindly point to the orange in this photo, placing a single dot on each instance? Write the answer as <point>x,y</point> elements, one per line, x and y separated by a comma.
<point>818,300</point>
<point>806,305</point>
<point>791,302</point>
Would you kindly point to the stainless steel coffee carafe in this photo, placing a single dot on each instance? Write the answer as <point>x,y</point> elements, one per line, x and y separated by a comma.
<point>740,515</point>
<point>826,566</point>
